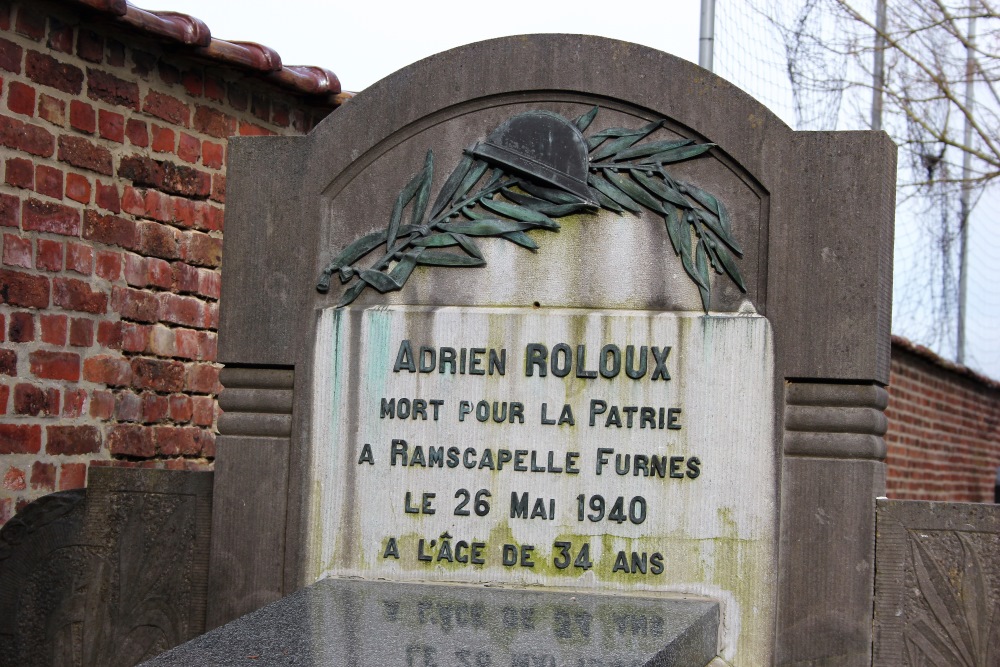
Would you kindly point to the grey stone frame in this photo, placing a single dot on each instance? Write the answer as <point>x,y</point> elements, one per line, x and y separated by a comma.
<point>823,278</point>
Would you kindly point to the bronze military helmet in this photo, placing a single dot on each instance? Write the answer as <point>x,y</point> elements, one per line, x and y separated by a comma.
<point>544,146</point>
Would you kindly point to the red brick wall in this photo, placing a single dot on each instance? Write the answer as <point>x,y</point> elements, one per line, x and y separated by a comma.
<point>944,431</point>
<point>112,191</point>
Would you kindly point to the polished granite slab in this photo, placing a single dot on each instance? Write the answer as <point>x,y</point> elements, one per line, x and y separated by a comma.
<point>361,623</point>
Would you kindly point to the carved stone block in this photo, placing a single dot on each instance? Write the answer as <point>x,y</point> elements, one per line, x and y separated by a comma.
<point>937,587</point>
<point>110,576</point>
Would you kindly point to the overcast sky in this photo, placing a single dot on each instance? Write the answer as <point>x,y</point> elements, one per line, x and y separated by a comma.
<point>363,42</point>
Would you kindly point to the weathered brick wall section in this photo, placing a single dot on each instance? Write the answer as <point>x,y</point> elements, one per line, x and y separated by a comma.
<point>111,216</point>
<point>944,431</point>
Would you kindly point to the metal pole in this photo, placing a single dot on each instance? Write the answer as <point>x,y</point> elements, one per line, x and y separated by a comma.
<point>706,40</point>
<point>878,75</point>
<point>964,204</point>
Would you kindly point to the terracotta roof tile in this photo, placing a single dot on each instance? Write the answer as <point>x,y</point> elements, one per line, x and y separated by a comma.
<point>190,32</point>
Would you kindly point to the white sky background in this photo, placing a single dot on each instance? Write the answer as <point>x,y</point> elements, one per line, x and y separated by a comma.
<point>363,42</point>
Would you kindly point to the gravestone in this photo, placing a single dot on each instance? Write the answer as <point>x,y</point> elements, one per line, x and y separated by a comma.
<point>561,313</point>
<point>109,575</point>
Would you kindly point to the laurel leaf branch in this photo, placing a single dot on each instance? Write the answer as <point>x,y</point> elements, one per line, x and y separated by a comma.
<point>477,201</point>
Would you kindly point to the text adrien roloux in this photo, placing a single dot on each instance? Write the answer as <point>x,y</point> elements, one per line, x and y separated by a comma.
<point>538,359</point>
<point>638,360</point>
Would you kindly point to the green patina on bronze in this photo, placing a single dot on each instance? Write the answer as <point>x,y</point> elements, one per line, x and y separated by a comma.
<point>509,185</point>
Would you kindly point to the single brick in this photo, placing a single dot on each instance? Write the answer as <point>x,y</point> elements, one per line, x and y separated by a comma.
<point>186,181</point>
<point>111,370</point>
<point>74,401</point>
<point>42,216</point>
<point>141,170</point>
<point>90,46</point>
<point>181,408</point>
<point>26,137</point>
<point>215,89</point>
<point>201,249</point>
<point>208,344</point>
<point>82,117</point>
<point>22,289</point>
<point>108,265</point>
<point>253,130</point>
<point>137,132</point>
<point>186,344</point>
<point>134,336</point>
<point>30,23</point>
<point>21,98</point>
<point>162,342</point>
<point>183,310</point>
<point>47,71</point>
<point>53,329</point>
<point>52,110</point>
<point>157,206</point>
<point>219,188</point>
<point>213,122</point>
<point>49,181</point>
<point>78,188</point>
<point>49,256</point>
<point>102,404</point>
<point>110,230</point>
<point>168,73</point>
<point>135,271</point>
<point>107,197</point>
<point>260,106</point>
<point>109,334</point>
<point>210,283</point>
<point>20,438</point>
<point>154,408</point>
<point>189,148</point>
<point>161,274</point>
<point>10,211</point>
<point>10,56</point>
<point>78,295</point>
<point>238,97</point>
<point>192,83</point>
<point>116,53</point>
<point>135,304</point>
<point>35,401</point>
<point>81,332</point>
<point>105,87</point>
<point>134,201</point>
<point>163,140</point>
<point>202,379</point>
<point>207,445</point>
<point>84,154</point>
<point>158,240</point>
<point>72,476</point>
<point>183,212</point>
<point>157,374</point>
<point>79,258</point>
<point>167,108</point>
<point>71,440</point>
<point>185,277</point>
<point>60,36</point>
<point>128,407</point>
<point>178,440</point>
<point>213,154</point>
<point>131,440</point>
<point>14,479</point>
<point>55,365</point>
<point>20,173</point>
<point>21,328</point>
<point>8,362</point>
<point>279,115</point>
<point>43,476</point>
<point>111,125</point>
<point>16,251</point>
